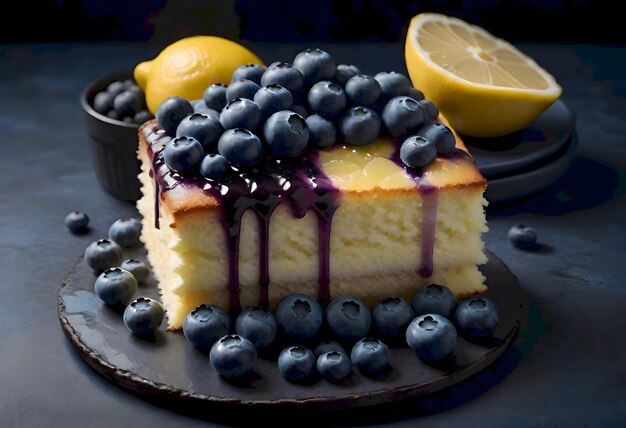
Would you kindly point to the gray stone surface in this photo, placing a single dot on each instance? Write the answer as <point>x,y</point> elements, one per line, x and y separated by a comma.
<point>565,370</point>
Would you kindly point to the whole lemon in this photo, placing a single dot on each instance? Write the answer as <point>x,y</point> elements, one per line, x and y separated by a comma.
<point>186,67</point>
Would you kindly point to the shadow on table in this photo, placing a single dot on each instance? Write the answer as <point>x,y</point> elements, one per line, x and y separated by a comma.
<point>586,184</point>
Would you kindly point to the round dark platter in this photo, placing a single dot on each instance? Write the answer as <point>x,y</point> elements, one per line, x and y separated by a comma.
<point>169,370</point>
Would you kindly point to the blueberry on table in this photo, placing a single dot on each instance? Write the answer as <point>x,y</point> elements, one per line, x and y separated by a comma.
<point>233,356</point>
<point>476,317</point>
<point>315,65</point>
<point>298,316</point>
<point>273,98</point>
<point>523,237</point>
<point>77,222</point>
<point>363,90</point>
<point>431,336</point>
<point>344,72</point>
<point>241,113</point>
<point>286,134</point>
<point>258,325</point>
<point>334,366</point>
<point>127,103</point>
<point>322,132</point>
<point>283,74</point>
<point>204,325</point>
<point>327,346</point>
<point>183,154</point>
<point>103,254</point>
<point>138,268</point>
<point>327,99</point>
<point>214,167</point>
<point>393,84</point>
<point>252,72</point>
<point>143,316</point>
<point>240,147</point>
<point>115,286</point>
<point>242,88</point>
<point>417,152</point>
<point>348,317</point>
<point>392,315</point>
<point>126,232</point>
<point>441,136</point>
<point>204,128</point>
<point>103,102</point>
<point>359,126</point>
<point>434,299</point>
<point>403,116</point>
<point>370,355</point>
<point>431,108</point>
<point>296,363</point>
<point>171,112</point>
<point>142,117</point>
<point>215,96</point>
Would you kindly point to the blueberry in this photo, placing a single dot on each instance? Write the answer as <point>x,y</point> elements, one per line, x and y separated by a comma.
<point>103,254</point>
<point>139,269</point>
<point>183,154</point>
<point>296,363</point>
<point>334,366</point>
<point>359,126</point>
<point>322,132</point>
<point>348,317</point>
<point>344,72</point>
<point>127,119</point>
<point>115,286</point>
<point>240,147</point>
<point>200,107</point>
<point>370,355</point>
<point>127,103</point>
<point>441,136</point>
<point>258,325</point>
<point>204,128</point>
<point>300,109</point>
<point>417,152</point>
<point>393,84</point>
<point>112,114</point>
<point>431,337</point>
<point>241,113</point>
<point>328,346</point>
<point>215,96</point>
<point>299,316</point>
<point>363,90</point>
<point>327,99</point>
<point>233,356</point>
<point>286,134</point>
<point>103,102</point>
<point>432,111</point>
<point>143,316</point>
<point>315,65</point>
<point>283,74</point>
<point>434,299</point>
<point>116,87</point>
<point>392,315</point>
<point>242,88</point>
<point>252,72</point>
<point>142,117</point>
<point>523,237</point>
<point>416,94</point>
<point>273,98</point>
<point>214,167</point>
<point>126,232</point>
<point>77,222</point>
<point>170,113</point>
<point>403,116</point>
<point>133,87</point>
<point>476,317</point>
<point>204,325</point>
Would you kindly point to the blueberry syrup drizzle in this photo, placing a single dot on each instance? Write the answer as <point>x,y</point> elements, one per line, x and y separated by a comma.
<point>300,183</point>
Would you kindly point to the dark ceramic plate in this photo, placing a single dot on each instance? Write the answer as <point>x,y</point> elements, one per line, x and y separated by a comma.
<point>171,370</point>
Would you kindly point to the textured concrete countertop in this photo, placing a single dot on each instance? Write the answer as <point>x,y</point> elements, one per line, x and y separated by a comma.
<point>566,369</point>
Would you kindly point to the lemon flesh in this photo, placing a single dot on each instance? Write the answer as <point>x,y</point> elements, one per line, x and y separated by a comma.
<point>186,67</point>
<point>484,85</point>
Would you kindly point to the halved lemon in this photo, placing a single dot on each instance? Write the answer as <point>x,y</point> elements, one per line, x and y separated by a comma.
<point>483,85</point>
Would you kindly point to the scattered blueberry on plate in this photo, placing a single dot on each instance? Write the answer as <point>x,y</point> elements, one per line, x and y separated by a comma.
<point>204,325</point>
<point>370,355</point>
<point>258,325</point>
<point>296,363</point>
<point>233,356</point>
<point>523,237</point>
<point>299,316</point>
<point>103,254</point>
<point>476,317</point>
<point>431,337</point>
<point>115,286</point>
<point>334,366</point>
<point>434,299</point>
<point>138,268</point>
<point>143,316</point>
<point>392,315</point>
<point>327,346</point>
<point>77,222</point>
<point>348,318</point>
